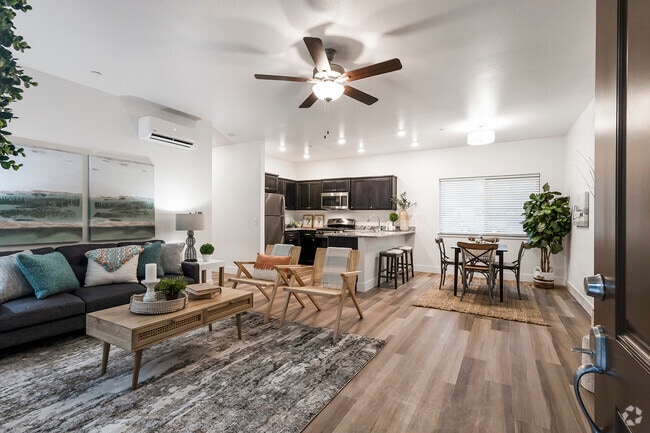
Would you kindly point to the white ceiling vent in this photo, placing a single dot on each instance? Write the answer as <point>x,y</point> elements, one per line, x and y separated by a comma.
<point>165,132</point>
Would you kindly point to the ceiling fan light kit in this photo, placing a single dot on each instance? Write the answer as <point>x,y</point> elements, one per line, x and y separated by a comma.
<point>480,137</point>
<point>330,80</point>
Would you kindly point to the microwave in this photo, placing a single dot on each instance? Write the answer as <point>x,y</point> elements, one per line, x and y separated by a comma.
<point>334,200</point>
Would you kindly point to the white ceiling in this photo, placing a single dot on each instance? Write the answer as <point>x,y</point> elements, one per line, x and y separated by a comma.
<point>524,68</point>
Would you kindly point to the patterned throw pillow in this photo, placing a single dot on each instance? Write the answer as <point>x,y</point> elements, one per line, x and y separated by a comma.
<point>171,256</point>
<point>112,265</point>
<point>264,268</point>
<point>48,274</point>
<point>13,284</point>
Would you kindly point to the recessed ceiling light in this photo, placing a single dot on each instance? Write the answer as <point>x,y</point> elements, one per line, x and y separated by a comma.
<point>341,140</point>
<point>361,150</point>
<point>306,156</point>
<point>415,144</point>
<point>282,148</point>
<point>480,137</point>
<point>401,133</point>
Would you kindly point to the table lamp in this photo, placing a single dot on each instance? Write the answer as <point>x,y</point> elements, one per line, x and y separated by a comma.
<point>189,222</point>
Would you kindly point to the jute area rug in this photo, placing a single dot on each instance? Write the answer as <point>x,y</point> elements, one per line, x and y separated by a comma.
<point>477,301</point>
<point>275,380</point>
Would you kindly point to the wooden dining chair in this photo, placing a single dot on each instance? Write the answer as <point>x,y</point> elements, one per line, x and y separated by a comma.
<point>515,266</point>
<point>478,258</point>
<point>333,275</point>
<point>490,239</point>
<point>445,261</point>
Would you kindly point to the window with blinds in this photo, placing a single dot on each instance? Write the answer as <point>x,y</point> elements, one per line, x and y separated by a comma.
<point>485,205</point>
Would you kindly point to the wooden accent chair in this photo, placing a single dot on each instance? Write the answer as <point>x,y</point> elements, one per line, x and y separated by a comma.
<point>264,279</point>
<point>445,261</point>
<point>515,266</point>
<point>478,258</point>
<point>329,277</point>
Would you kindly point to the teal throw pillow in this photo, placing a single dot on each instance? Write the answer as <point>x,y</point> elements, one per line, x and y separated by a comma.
<point>151,254</point>
<point>48,274</point>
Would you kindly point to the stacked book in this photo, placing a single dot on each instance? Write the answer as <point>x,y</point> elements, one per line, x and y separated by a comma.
<point>202,291</point>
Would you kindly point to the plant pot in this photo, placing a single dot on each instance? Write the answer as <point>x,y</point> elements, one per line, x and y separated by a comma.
<point>206,257</point>
<point>169,297</point>
<point>543,280</point>
<point>403,220</point>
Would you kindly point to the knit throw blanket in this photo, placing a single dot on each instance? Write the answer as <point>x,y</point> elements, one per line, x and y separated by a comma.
<point>336,262</point>
<point>112,259</point>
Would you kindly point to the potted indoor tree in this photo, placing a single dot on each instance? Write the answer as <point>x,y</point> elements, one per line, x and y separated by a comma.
<point>547,220</point>
<point>206,250</point>
<point>404,204</point>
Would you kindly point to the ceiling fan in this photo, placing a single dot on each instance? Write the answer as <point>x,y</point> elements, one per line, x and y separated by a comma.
<point>330,80</point>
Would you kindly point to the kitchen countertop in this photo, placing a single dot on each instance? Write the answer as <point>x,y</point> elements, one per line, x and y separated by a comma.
<point>371,233</point>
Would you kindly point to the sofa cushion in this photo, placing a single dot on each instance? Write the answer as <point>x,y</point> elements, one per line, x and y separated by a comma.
<point>13,284</point>
<point>97,275</point>
<point>171,256</point>
<point>111,295</point>
<point>150,254</point>
<point>43,250</point>
<point>25,312</point>
<point>48,274</point>
<point>74,254</point>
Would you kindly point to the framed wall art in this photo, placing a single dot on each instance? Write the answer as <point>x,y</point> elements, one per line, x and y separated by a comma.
<point>121,199</point>
<point>42,202</point>
<point>319,221</point>
<point>307,221</point>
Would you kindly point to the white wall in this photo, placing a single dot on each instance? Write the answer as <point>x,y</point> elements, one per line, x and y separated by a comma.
<point>62,115</point>
<point>418,173</point>
<point>579,157</point>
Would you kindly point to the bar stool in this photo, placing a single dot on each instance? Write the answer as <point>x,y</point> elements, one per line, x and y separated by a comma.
<point>394,266</point>
<point>408,260</point>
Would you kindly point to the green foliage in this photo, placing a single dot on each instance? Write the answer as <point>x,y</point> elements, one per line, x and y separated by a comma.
<point>206,249</point>
<point>393,216</point>
<point>12,78</point>
<point>402,202</point>
<point>547,220</point>
<point>171,286</point>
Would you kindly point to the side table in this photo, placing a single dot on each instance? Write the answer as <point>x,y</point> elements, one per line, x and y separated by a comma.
<point>209,266</point>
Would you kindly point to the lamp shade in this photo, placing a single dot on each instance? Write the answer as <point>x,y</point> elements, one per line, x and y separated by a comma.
<point>189,221</point>
<point>480,137</point>
<point>328,90</point>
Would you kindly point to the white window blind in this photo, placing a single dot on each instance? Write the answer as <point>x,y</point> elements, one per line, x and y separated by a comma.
<point>485,205</point>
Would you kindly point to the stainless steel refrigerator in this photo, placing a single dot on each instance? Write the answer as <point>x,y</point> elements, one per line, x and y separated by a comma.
<point>273,219</point>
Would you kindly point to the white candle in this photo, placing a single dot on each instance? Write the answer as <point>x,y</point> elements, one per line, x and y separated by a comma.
<point>150,272</point>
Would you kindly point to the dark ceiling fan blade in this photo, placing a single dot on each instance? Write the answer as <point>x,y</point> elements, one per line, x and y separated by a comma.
<point>309,101</point>
<point>281,78</point>
<point>372,70</point>
<point>359,95</point>
<point>318,54</point>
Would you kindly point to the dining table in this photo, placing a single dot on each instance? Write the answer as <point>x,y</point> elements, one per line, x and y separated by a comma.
<point>502,248</point>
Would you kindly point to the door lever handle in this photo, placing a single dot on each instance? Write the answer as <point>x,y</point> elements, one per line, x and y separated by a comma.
<point>585,351</point>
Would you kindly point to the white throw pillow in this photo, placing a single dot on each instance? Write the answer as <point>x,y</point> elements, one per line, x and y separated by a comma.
<point>171,256</point>
<point>96,275</point>
<point>13,284</point>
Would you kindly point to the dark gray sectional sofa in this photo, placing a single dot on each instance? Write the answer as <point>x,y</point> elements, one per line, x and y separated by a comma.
<point>28,319</point>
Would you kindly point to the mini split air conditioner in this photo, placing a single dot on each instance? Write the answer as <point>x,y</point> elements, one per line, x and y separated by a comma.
<point>169,133</point>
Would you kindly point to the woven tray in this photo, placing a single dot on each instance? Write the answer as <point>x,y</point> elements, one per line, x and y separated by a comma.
<point>161,306</point>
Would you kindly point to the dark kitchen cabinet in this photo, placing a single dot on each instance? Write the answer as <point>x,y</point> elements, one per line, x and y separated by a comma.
<point>270,182</point>
<point>335,185</point>
<point>292,237</point>
<point>287,188</point>
<point>373,193</point>
<point>309,195</point>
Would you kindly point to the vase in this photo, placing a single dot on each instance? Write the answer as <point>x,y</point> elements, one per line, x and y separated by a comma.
<point>543,280</point>
<point>403,220</point>
<point>206,257</point>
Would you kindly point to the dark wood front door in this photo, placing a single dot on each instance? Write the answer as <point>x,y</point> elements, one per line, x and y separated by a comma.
<point>622,218</point>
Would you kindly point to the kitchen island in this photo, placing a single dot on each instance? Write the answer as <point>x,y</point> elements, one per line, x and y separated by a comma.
<point>370,243</point>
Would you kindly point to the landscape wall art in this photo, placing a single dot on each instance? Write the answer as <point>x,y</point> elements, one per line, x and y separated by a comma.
<point>42,202</point>
<point>121,200</point>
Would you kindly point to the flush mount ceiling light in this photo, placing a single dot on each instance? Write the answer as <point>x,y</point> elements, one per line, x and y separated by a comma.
<point>328,90</point>
<point>480,137</point>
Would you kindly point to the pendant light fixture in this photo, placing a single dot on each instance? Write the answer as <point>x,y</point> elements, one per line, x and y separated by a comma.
<point>480,137</point>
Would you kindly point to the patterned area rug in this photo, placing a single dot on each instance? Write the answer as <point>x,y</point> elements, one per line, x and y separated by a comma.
<point>275,380</point>
<point>477,301</point>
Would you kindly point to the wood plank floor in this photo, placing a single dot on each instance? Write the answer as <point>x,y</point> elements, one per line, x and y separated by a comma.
<point>444,371</point>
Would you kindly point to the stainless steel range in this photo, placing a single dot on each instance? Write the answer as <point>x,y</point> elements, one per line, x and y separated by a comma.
<point>336,225</point>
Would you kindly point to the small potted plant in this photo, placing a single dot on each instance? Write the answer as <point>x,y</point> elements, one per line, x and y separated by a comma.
<point>206,250</point>
<point>171,287</point>
<point>393,217</point>
<point>404,204</point>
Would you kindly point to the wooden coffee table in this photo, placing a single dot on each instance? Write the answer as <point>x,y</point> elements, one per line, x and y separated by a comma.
<point>135,332</point>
